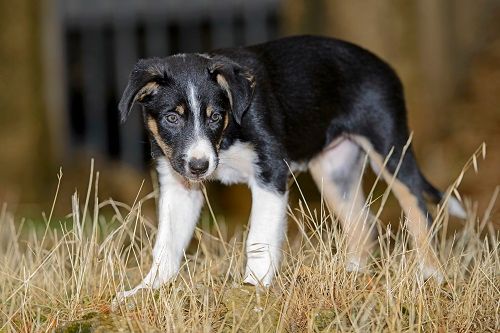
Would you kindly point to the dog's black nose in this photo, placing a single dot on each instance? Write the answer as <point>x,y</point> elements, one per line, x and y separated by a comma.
<point>198,166</point>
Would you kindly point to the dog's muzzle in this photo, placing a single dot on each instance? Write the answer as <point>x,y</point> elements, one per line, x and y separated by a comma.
<point>201,160</point>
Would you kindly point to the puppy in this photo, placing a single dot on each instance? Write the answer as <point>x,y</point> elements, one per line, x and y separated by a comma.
<point>255,114</point>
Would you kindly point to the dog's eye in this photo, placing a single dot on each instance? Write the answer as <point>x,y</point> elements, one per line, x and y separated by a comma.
<point>172,118</point>
<point>215,117</point>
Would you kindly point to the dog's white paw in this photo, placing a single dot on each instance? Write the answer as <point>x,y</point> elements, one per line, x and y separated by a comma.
<point>431,272</point>
<point>251,279</point>
<point>124,298</point>
<point>355,264</point>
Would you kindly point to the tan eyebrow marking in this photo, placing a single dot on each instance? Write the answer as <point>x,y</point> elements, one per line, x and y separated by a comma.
<point>153,128</point>
<point>149,89</point>
<point>179,109</point>
<point>226,120</point>
<point>210,110</point>
<point>221,80</point>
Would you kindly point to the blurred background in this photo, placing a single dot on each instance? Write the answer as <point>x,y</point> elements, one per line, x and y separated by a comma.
<point>64,64</point>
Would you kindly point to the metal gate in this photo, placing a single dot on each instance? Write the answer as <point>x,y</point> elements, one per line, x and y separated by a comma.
<point>102,40</point>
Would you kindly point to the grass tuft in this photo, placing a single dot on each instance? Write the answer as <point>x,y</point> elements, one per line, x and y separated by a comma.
<point>65,276</point>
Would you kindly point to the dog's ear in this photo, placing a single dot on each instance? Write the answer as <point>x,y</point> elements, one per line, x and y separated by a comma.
<point>144,82</point>
<point>237,81</point>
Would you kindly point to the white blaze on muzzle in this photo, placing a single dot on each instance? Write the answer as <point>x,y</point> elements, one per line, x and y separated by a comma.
<point>200,148</point>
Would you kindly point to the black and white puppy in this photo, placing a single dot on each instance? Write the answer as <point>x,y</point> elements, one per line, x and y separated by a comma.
<point>253,115</point>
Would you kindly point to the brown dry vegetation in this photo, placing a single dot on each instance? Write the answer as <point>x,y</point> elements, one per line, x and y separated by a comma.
<point>64,276</point>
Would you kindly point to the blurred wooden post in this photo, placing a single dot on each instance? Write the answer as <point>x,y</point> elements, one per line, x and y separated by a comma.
<point>24,143</point>
<point>54,77</point>
<point>437,48</point>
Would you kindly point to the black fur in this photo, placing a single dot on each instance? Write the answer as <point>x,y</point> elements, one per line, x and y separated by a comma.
<point>292,97</point>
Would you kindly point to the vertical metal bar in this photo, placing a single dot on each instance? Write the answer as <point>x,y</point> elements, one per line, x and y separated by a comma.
<point>222,32</point>
<point>91,15</point>
<point>125,47</point>
<point>94,88</point>
<point>255,24</point>
<point>190,35</point>
<point>157,39</point>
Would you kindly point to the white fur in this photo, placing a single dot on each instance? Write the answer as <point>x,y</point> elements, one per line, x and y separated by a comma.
<point>194,106</point>
<point>456,209</point>
<point>268,216</point>
<point>267,230</point>
<point>236,164</point>
<point>337,172</point>
<point>178,212</point>
<point>179,209</point>
<point>297,167</point>
<point>204,55</point>
<point>201,148</point>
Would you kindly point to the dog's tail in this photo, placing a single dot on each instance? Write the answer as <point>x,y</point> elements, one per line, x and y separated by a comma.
<point>436,196</point>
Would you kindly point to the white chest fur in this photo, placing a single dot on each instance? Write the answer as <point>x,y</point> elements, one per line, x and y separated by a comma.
<point>236,164</point>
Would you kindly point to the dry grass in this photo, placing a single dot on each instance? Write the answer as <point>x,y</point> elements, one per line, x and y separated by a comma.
<point>50,276</point>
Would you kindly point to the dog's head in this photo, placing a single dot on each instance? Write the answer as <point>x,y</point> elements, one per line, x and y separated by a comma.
<point>188,102</point>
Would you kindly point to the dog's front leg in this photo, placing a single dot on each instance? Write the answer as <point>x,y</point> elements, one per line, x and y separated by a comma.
<point>178,211</point>
<point>267,230</point>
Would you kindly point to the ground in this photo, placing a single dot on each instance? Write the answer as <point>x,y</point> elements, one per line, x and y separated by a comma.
<point>64,276</point>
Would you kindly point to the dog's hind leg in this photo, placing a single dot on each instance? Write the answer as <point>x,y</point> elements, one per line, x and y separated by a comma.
<point>337,172</point>
<point>408,185</point>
